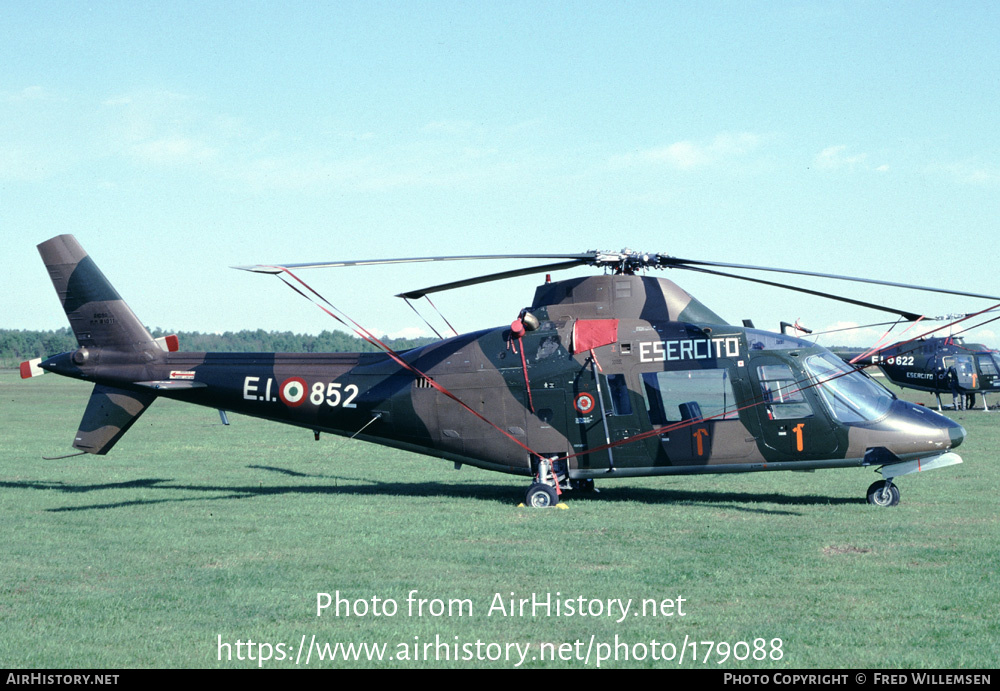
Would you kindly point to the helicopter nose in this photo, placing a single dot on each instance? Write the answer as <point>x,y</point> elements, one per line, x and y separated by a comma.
<point>957,435</point>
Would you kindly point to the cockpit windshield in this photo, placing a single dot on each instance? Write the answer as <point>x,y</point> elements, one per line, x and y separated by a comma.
<point>850,395</point>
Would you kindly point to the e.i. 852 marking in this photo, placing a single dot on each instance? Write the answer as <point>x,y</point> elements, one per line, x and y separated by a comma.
<point>293,392</point>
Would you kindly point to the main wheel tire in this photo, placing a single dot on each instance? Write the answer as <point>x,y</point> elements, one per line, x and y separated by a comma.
<point>883,493</point>
<point>541,496</point>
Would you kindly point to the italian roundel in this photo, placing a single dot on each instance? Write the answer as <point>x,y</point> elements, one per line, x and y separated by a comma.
<point>584,403</point>
<point>293,391</point>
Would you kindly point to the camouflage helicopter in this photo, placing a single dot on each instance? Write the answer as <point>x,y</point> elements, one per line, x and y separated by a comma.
<point>937,364</point>
<point>610,376</point>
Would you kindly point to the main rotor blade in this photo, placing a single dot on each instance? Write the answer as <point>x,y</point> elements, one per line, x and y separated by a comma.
<point>414,294</point>
<point>677,262</point>
<point>910,316</point>
<point>278,268</point>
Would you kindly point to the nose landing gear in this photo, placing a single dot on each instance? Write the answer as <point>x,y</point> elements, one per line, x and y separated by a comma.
<point>883,493</point>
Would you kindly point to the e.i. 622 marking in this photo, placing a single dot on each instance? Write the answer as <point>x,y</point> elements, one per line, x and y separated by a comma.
<point>292,392</point>
<point>898,360</point>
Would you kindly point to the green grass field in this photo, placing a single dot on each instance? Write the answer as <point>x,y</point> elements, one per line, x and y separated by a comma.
<point>188,531</point>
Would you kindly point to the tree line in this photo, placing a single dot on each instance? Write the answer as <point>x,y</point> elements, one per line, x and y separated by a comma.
<point>17,345</point>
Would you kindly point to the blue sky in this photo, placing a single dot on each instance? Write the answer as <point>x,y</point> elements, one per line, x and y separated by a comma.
<point>176,140</point>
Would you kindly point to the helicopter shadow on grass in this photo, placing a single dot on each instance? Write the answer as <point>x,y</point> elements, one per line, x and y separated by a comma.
<point>644,495</point>
<point>340,486</point>
<point>501,493</point>
<point>752,502</point>
<point>146,483</point>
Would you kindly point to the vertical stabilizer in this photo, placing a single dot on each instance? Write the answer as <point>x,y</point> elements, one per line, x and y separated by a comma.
<point>106,328</point>
<point>97,314</point>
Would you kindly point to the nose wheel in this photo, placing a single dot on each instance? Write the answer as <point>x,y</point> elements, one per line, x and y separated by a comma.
<point>883,493</point>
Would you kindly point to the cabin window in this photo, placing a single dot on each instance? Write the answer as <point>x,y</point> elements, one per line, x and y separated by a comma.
<point>689,395</point>
<point>783,393</point>
<point>621,403</point>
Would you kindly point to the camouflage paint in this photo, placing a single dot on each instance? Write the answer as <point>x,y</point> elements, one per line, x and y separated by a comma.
<point>661,329</point>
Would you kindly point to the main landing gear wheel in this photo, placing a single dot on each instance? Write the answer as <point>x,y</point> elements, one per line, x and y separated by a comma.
<point>883,493</point>
<point>541,496</point>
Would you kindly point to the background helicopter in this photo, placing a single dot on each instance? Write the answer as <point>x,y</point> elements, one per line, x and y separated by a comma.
<point>924,364</point>
<point>936,364</point>
<point>618,375</point>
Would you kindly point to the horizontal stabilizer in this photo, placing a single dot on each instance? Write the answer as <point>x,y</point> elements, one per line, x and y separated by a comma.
<point>109,414</point>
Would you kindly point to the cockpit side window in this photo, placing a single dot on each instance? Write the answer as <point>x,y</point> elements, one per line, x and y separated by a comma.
<point>782,393</point>
<point>987,366</point>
